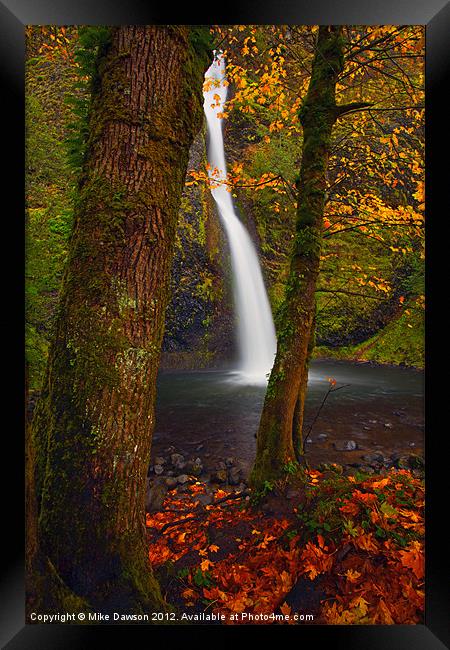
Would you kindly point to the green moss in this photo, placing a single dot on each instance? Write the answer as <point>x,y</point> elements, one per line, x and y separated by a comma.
<point>401,342</point>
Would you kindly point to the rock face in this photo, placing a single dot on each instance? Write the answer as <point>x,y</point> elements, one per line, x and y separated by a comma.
<point>199,318</point>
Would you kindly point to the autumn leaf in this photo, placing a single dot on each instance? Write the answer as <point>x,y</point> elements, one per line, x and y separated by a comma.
<point>205,564</point>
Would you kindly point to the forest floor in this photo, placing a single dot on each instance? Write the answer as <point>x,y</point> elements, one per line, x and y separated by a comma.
<point>318,547</point>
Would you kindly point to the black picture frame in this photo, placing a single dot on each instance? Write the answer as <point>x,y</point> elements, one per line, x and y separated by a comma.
<point>14,15</point>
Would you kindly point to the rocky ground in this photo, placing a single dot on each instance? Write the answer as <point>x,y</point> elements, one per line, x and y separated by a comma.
<point>174,470</point>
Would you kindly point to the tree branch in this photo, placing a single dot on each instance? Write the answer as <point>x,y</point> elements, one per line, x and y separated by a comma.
<point>350,108</point>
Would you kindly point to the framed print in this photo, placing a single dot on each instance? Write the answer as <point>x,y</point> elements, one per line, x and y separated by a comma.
<point>233,365</point>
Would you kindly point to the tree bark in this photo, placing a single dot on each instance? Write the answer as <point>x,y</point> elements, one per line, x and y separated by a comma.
<point>279,438</point>
<point>93,425</point>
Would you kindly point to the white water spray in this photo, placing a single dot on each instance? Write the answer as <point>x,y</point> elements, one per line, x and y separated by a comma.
<point>256,331</point>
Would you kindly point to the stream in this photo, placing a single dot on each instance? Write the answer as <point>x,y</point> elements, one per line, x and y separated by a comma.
<point>208,414</point>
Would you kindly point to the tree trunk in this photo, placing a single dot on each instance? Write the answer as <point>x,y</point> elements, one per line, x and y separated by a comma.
<point>282,416</point>
<point>93,425</point>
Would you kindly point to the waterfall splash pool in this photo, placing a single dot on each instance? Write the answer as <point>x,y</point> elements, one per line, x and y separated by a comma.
<point>203,414</point>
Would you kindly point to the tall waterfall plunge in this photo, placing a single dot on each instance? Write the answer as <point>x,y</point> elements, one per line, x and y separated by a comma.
<point>256,331</point>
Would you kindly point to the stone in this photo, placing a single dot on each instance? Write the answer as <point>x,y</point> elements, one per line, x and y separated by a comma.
<point>193,467</point>
<point>234,476</point>
<point>388,425</point>
<point>177,459</point>
<point>220,476</point>
<point>159,460</point>
<point>322,436</point>
<point>171,482</point>
<point>373,458</point>
<point>158,469</point>
<point>199,448</point>
<point>183,478</point>
<point>345,445</point>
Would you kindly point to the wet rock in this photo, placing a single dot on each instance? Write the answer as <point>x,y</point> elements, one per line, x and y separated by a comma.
<point>155,496</point>
<point>388,425</point>
<point>194,467</point>
<point>234,476</point>
<point>345,445</point>
<point>220,476</point>
<point>177,460</point>
<point>373,458</point>
<point>308,441</point>
<point>416,462</point>
<point>412,444</point>
<point>322,436</point>
<point>373,421</point>
<point>158,469</point>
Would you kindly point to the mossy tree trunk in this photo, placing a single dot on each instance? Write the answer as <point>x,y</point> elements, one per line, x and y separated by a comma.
<point>279,439</point>
<point>93,425</point>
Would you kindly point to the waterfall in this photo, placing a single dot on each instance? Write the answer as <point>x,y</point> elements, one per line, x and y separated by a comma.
<point>256,331</point>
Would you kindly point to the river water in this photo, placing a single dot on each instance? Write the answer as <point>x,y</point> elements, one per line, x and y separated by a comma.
<point>210,415</point>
